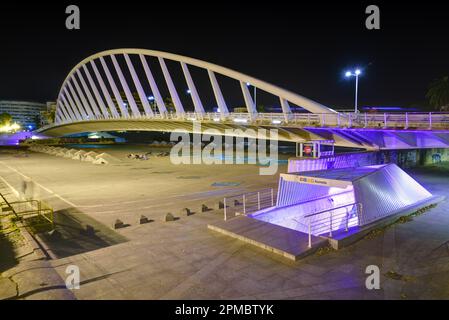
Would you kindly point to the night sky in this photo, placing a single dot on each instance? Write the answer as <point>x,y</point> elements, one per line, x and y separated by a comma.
<point>303,48</point>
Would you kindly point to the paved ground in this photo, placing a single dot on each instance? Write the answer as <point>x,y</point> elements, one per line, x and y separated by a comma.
<point>182,259</point>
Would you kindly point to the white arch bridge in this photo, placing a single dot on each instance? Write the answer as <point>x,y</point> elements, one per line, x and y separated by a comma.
<point>117,90</point>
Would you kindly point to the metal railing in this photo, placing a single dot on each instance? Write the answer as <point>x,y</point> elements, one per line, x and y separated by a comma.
<point>247,203</point>
<point>412,120</point>
<point>331,217</point>
<point>28,209</point>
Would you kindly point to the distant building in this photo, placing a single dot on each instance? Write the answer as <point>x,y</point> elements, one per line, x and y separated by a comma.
<point>47,116</point>
<point>26,114</point>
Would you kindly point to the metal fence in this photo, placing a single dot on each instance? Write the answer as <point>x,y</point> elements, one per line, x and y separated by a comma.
<point>246,203</point>
<point>28,209</point>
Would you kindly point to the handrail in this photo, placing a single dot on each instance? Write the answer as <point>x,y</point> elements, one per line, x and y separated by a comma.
<point>356,204</point>
<point>424,120</point>
<point>334,208</point>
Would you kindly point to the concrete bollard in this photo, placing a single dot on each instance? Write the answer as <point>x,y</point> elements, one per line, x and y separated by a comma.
<point>169,217</point>
<point>144,220</point>
<point>221,205</point>
<point>119,224</point>
<point>186,212</point>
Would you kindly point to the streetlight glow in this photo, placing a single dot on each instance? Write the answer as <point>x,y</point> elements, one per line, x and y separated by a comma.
<point>356,74</point>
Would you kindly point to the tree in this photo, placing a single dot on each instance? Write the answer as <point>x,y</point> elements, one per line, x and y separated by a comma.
<point>5,119</point>
<point>438,93</point>
<point>169,104</point>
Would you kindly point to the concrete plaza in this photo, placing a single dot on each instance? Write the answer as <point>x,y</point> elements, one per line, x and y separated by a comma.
<point>184,260</point>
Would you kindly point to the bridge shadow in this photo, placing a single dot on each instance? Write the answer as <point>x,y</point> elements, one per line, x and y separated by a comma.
<point>76,232</point>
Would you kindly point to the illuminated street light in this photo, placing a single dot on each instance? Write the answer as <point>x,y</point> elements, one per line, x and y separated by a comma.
<point>356,74</point>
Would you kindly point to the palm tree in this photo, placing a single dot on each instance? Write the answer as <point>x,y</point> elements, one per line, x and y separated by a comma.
<point>5,118</point>
<point>438,93</point>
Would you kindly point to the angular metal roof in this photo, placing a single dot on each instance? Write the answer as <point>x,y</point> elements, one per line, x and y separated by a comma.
<point>342,174</point>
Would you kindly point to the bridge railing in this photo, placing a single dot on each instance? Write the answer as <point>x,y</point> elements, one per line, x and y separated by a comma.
<point>429,121</point>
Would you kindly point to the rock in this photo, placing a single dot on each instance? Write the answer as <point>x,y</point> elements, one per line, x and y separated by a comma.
<point>186,212</point>
<point>169,217</point>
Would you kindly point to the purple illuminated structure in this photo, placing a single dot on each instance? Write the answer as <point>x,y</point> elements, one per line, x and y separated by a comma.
<point>344,160</point>
<point>342,198</point>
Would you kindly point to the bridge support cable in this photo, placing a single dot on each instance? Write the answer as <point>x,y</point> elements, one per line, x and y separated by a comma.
<point>171,88</point>
<point>285,109</point>
<point>250,106</point>
<point>81,110</point>
<point>105,91</point>
<point>81,95</point>
<point>154,89</point>
<point>128,94</point>
<point>192,89</point>
<point>68,106</point>
<point>143,97</point>
<point>218,95</point>
<point>64,112</point>
<point>90,98</point>
<point>118,97</point>
<point>59,116</point>
<point>100,101</point>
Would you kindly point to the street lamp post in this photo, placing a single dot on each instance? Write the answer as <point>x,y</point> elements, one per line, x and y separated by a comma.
<point>355,74</point>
